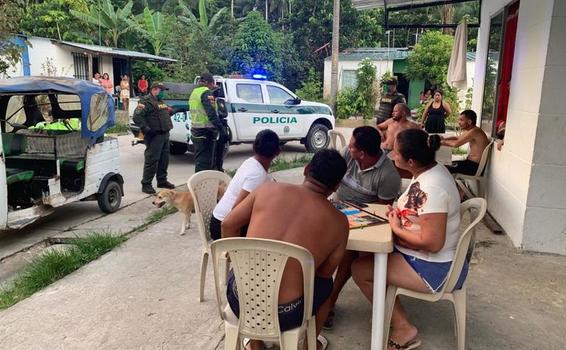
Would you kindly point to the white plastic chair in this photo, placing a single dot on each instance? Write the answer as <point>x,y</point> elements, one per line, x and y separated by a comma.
<point>204,189</point>
<point>477,208</point>
<point>258,266</point>
<point>334,137</point>
<point>479,177</point>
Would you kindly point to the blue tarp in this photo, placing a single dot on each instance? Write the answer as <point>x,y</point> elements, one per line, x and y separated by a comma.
<point>82,88</point>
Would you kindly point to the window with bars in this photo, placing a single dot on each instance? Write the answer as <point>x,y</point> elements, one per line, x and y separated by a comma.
<point>80,62</point>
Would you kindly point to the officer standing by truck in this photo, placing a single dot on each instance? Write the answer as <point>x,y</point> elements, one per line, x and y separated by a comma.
<point>221,144</point>
<point>153,117</point>
<point>206,126</point>
<point>388,100</point>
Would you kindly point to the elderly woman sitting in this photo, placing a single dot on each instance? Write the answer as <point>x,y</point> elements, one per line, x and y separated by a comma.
<point>425,225</point>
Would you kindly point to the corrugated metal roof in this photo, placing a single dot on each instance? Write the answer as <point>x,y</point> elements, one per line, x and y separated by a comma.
<point>370,4</point>
<point>112,51</point>
<point>382,54</point>
<point>374,54</point>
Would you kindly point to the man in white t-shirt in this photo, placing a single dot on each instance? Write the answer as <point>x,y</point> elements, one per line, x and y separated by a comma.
<point>251,174</point>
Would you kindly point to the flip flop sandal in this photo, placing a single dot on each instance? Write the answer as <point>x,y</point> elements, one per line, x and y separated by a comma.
<point>412,344</point>
<point>329,323</point>
<point>323,341</point>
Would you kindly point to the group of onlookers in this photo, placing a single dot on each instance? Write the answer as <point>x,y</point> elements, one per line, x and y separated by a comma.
<point>124,87</point>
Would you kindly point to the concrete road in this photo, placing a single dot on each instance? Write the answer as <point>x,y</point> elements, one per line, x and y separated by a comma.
<point>72,215</point>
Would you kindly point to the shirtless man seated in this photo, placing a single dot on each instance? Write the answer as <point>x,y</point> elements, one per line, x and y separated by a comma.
<point>391,127</point>
<point>285,212</point>
<point>474,136</point>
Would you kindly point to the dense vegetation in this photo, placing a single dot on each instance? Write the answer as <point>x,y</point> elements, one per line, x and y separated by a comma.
<point>288,43</point>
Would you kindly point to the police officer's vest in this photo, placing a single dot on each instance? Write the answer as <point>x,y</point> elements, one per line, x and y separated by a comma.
<point>199,118</point>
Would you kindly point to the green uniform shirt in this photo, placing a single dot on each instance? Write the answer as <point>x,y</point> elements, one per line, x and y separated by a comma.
<point>153,114</point>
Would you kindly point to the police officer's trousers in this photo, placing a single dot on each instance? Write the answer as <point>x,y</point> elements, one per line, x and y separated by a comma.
<point>204,142</point>
<point>156,158</point>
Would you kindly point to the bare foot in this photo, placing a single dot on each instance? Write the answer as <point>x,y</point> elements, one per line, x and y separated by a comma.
<point>403,335</point>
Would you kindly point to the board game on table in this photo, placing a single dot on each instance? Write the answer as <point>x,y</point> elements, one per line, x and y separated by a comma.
<point>358,217</point>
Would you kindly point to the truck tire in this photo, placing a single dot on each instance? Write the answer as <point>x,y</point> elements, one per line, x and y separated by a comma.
<point>177,148</point>
<point>317,138</point>
<point>110,198</point>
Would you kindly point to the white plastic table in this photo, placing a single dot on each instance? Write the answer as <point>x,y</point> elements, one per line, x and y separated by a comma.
<point>377,240</point>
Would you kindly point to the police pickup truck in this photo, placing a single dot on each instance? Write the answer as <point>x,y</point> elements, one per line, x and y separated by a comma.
<point>254,105</point>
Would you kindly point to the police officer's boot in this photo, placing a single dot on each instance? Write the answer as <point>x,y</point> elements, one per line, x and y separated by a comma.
<point>147,188</point>
<point>165,184</point>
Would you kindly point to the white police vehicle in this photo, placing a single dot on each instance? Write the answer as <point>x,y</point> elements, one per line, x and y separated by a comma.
<point>254,105</point>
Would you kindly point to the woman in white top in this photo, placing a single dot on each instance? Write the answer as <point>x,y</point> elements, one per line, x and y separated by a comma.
<point>425,226</point>
<point>250,175</point>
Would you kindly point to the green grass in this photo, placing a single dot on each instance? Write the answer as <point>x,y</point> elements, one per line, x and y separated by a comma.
<point>55,264</point>
<point>118,129</point>
<point>159,215</point>
<point>281,163</point>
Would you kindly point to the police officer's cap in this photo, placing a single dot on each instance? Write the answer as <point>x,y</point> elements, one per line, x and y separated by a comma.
<point>390,81</point>
<point>206,78</point>
<point>159,85</point>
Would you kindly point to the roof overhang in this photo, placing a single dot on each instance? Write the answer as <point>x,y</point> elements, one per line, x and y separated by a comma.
<point>391,6</point>
<point>112,51</point>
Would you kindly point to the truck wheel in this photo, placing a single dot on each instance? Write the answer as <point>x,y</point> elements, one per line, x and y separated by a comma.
<point>317,138</point>
<point>109,200</point>
<point>177,148</point>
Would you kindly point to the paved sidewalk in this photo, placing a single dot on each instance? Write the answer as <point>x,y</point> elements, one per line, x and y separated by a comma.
<point>143,295</point>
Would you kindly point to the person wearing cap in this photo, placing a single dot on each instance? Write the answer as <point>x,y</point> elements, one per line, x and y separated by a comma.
<point>388,100</point>
<point>153,117</point>
<point>206,126</point>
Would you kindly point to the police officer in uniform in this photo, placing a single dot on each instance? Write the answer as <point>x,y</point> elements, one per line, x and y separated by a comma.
<point>388,100</point>
<point>221,142</point>
<point>206,126</point>
<point>153,117</point>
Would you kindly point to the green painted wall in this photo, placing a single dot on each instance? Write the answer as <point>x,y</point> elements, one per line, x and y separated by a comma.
<point>415,88</point>
<point>399,66</point>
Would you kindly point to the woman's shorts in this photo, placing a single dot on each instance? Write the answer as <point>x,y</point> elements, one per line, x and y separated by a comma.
<point>434,274</point>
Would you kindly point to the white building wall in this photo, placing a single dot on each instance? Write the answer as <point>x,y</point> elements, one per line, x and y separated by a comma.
<point>545,219</point>
<point>106,66</point>
<point>43,50</point>
<point>381,68</point>
<point>510,170</point>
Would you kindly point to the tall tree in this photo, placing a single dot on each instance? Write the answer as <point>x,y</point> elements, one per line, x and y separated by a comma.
<point>256,48</point>
<point>52,19</point>
<point>430,58</point>
<point>115,21</point>
<point>9,25</point>
<point>154,29</point>
<point>202,22</point>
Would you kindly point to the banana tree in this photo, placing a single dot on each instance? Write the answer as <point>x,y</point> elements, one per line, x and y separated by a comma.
<point>116,22</point>
<point>189,18</point>
<point>153,28</point>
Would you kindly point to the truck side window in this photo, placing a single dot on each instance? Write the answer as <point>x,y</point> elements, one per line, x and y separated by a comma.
<point>277,95</point>
<point>249,92</point>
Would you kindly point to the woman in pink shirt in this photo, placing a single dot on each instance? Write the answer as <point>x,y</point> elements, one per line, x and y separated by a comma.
<point>107,84</point>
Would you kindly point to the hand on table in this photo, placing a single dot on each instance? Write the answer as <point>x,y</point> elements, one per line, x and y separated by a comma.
<point>394,219</point>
